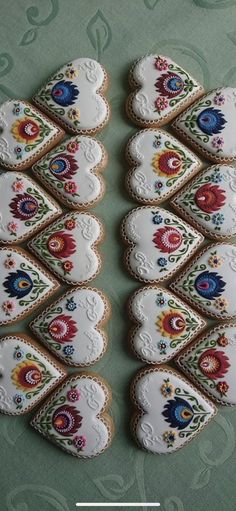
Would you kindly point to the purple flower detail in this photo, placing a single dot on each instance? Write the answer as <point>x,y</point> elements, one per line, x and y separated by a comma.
<point>217,143</point>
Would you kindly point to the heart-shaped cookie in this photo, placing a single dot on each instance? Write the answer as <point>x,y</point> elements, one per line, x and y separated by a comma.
<point>24,284</point>
<point>165,324</point>
<point>25,134</point>
<point>171,412</point>
<point>68,247</point>
<point>24,207</point>
<point>209,281</point>
<point>73,96</point>
<point>162,90</point>
<point>27,372</point>
<point>209,202</point>
<point>160,243</point>
<point>209,362</point>
<point>72,327</point>
<point>209,125</point>
<point>72,171</point>
<point>75,417</point>
<point>160,166</point>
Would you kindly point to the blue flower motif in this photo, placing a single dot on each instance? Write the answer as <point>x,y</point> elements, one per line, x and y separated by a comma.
<point>218,218</point>
<point>18,399</point>
<point>68,350</point>
<point>70,304</point>
<point>162,261</point>
<point>64,93</point>
<point>157,219</point>
<point>211,121</point>
<point>209,285</point>
<point>160,300</point>
<point>159,186</point>
<point>18,353</point>
<point>162,346</point>
<point>157,142</point>
<point>178,413</point>
<point>18,284</point>
<point>216,177</point>
<point>17,109</point>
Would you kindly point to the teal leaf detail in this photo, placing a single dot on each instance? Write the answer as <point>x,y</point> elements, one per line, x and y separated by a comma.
<point>31,492</point>
<point>173,504</point>
<point>99,33</point>
<point>150,4</point>
<point>29,37</point>
<point>113,486</point>
<point>33,12</point>
<point>201,478</point>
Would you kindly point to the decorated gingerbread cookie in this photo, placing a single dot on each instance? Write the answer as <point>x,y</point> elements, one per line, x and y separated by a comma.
<point>72,172</point>
<point>25,134</point>
<point>68,247</point>
<point>209,202</point>
<point>160,166</point>
<point>209,125</point>
<point>170,411</point>
<point>159,243</point>
<point>75,417</point>
<point>24,207</point>
<point>162,90</point>
<point>27,372</point>
<point>209,362</point>
<point>164,324</point>
<point>74,96</point>
<point>24,284</point>
<point>209,281</point>
<point>72,327</point>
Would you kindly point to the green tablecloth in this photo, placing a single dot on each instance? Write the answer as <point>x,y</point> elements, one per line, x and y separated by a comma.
<point>36,37</point>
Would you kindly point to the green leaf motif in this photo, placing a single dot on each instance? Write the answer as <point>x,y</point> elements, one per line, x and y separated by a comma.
<point>113,486</point>
<point>201,478</point>
<point>33,12</point>
<point>29,37</point>
<point>173,504</point>
<point>32,493</point>
<point>99,33</point>
<point>150,4</point>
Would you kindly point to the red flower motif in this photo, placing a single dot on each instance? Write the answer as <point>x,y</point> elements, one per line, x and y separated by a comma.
<point>210,198</point>
<point>66,420</point>
<point>161,64</point>
<point>24,206</point>
<point>62,329</point>
<point>26,375</point>
<point>169,85</point>
<point>67,266</point>
<point>63,166</point>
<point>222,387</point>
<point>222,341</point>
<point>213,363</point>
<point>167,162</point>
<point>61,245</point>
<point>72,146</point>
<point>161,104</point>
<point>70,187</point>
<point>70,224</point>
<point>73,395</point>
<point>167,239</point>
<point>171,324</point>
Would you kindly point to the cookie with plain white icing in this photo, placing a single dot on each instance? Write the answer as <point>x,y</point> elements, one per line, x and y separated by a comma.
<point>162,90</point>
<point>208,282</point>
<point>25,134</point>
<point>163,324</point>
<point>209,202</point>
<point>25,207</point>
<point>74,96</point>
<point>159,243</point>
<point>28,374</point>
<point>170,412</point>
<point>209,125</point>
<point>75,417</point>
<point>209,362</point>
<point>160,166</point>
<point>69,247</point>
<point>73,326</point>
<point>24,284</point>
<point>72,171</point>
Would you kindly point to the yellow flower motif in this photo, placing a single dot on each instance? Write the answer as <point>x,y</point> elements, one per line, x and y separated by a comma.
<point>169,437</point>
<point>221,303</point>
<point>167,163</point>
<point>26,375</point>
<point>215,261</point>
<point>171,324</point>
<point>71,73</point>
<point>25,130</point>
<point>74,114</point>
<point>167,389</point>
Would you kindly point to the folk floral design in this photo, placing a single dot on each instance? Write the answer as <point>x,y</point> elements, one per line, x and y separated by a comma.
<point>167,239</point>
<point>28,129</point>
<point>63,166</point>
<point>64,93</point>
<point>61,245</point>
<point>28,207</point>
<point>167,163</point>
<point>170,162</point>
<point>62,328</point>
<point>171,323</point>
<point>210,198</point>
<point>66,420</point>
<point>18,284</point>
<point>25,285</point>
<point>209,284</point>
<point>213,363</point>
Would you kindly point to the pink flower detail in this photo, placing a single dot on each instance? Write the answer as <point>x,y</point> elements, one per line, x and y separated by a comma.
<point>8,307</point>
<point>72,146</point>
<point>219,99</point>
<point>73,395</point>
<point>10,263</point>
<point>13,227</point>
<point>161,64</point>
<point>217,143</point>
<point>70,187</point>
<point>79,442</point>
<point>18,186</point>
<point>161,103</point>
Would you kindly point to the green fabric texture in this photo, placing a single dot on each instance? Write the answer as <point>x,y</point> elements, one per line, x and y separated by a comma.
<point>37,37</point>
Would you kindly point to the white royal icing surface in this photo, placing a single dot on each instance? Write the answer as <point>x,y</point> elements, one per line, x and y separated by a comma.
<point>26,375</point>
<point>224,123</point>
<point>92,397</point>
<point>71,325</point>
<point>73,257</point>
<point>88,78</point>
<point>155,261</point>
<point>210,362</point>
<point>214,293</point>
<point>23,285</point>
<point>15,149</point>
<point>152,428</point>
<point>15,190</point>
<point>162,165</point>
<point>166,324</point>
<point>210,201</point>
<point>146,74</point>
<point>83,162</point>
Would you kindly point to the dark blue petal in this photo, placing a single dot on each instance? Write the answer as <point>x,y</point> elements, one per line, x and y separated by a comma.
<point>209,285</point>
<point>64,93</point>
<point>211,121</point>
<point>18,284</point>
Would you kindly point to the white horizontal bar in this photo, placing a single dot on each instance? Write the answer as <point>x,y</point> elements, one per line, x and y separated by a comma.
<point>118,504</point>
